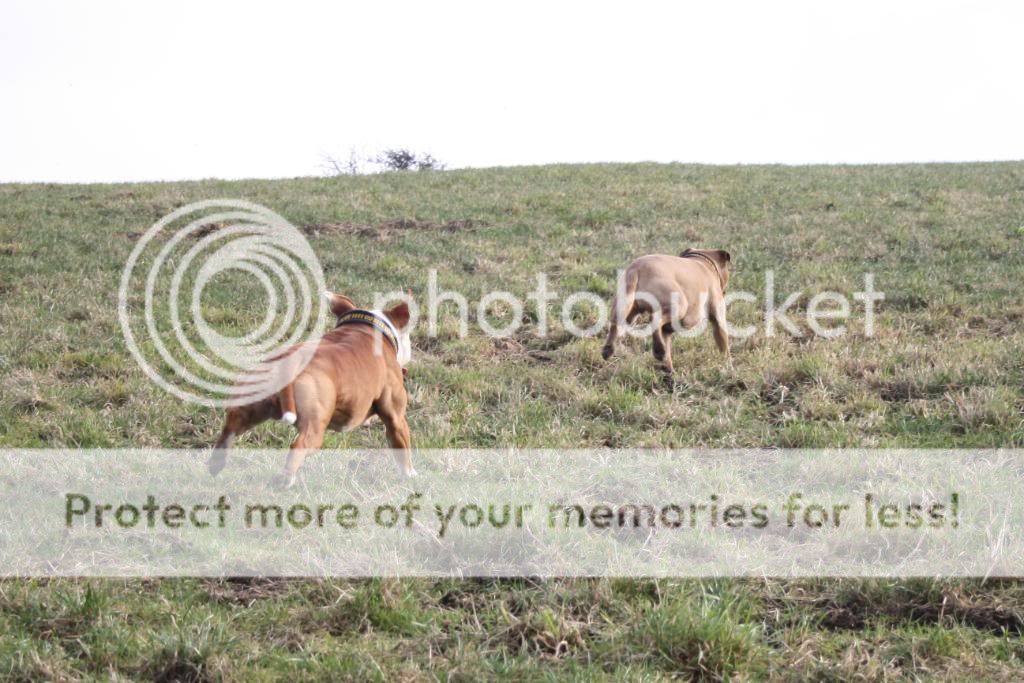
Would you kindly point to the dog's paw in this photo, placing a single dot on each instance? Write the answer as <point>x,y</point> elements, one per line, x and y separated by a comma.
<point>282,481</point>
<point>216,463</point>
<point>410,473</point>
<point>607,352</point>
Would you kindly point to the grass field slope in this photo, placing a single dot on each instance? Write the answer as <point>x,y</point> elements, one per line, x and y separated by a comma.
<point>944,368</point>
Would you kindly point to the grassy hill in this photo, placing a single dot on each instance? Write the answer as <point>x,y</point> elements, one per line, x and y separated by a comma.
<point>944,368</point>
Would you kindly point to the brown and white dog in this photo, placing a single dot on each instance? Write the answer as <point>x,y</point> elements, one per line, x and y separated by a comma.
<point>684,289</point>
<point>355,372</point>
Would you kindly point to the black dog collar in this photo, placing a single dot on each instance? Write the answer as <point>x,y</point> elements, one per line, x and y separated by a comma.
<point>361,317</point>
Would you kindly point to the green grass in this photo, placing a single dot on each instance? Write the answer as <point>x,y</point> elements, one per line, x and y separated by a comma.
<point>945,369</point>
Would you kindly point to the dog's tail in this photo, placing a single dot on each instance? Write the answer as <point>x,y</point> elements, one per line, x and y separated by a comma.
<point>286,398</point>
<point>287,365</point>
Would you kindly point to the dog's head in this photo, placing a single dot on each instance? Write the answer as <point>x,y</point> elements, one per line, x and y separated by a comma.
<point>398,317</point>
<point>720,257</point>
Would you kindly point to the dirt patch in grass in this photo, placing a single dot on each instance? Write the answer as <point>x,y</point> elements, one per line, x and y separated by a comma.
<point>380,231</point>
<point>387,228</point>
<point>205,230</point>
<point>1005,322</point>
<point>182,672</point>
<point>524,344</point>
<point>856,609</point>
<point>903,302</point>
<point>902,390</point>
<point>983,618</point>
<point>246,590</point>
<point>9,248</point>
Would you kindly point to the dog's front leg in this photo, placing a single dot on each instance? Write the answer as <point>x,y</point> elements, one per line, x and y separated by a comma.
<point>662,348</point>
<point>718,327</point>
<point>400,440</point>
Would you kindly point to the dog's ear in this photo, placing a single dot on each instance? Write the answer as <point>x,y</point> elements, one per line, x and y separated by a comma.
<point>723,259</point>
<point>339,303</point>
<point>399,315</point>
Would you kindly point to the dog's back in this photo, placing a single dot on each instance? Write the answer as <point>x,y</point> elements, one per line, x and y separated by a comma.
<point>351,374</point>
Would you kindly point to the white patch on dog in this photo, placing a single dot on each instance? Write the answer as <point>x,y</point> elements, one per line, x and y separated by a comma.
<point>289,417</point>
<point>404,342</point>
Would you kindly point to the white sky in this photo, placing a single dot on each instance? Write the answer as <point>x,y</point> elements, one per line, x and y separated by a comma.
<point>104,91</point>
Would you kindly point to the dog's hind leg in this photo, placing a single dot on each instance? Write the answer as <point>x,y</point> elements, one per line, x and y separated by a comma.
<point>238,420</point>
<point>310,438</point>
<point>613,329</point>
<point>613,332</point>
<point>315,408</point>
<point>219,456</point>
<point>622,313</point>
<point>609,343</point>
